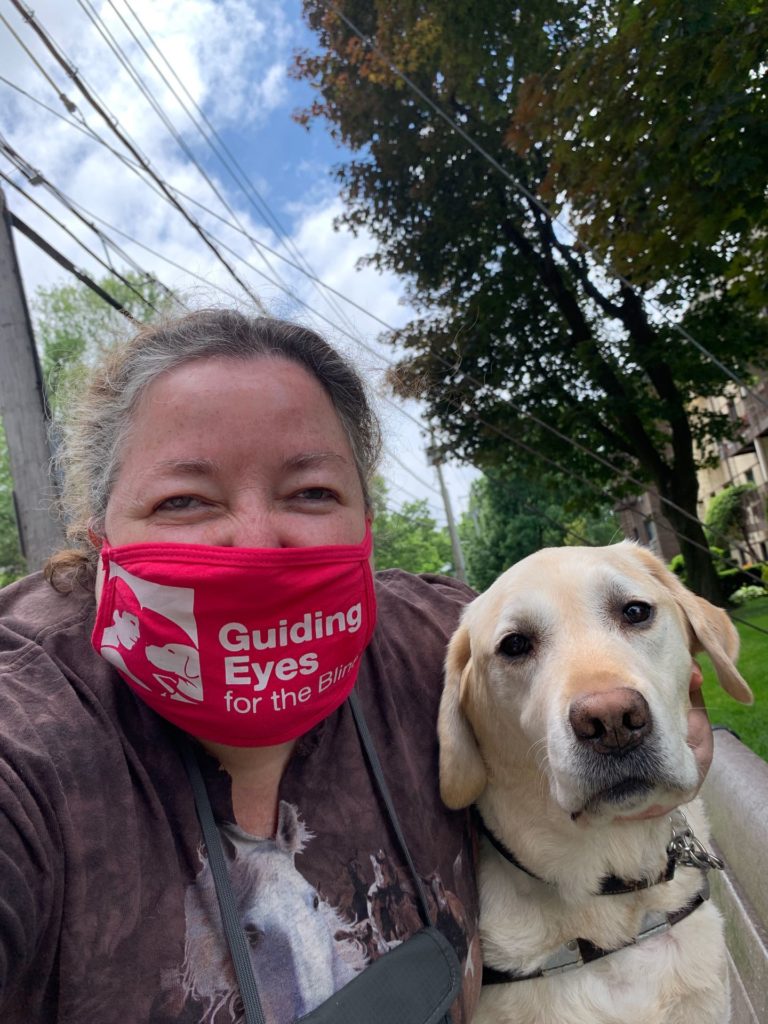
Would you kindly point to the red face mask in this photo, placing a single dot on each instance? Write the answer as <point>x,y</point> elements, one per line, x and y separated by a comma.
<point>245,646</point>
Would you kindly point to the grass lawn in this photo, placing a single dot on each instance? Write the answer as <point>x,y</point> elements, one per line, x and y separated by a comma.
<point>750,723</point>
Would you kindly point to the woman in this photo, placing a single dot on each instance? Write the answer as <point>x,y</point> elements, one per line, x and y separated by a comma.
<point>229,434</point>
<point>217,478</point>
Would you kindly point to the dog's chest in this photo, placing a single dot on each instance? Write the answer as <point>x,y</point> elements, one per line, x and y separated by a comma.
<point>674,978</point>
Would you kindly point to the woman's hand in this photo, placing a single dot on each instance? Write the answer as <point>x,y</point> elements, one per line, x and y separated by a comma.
<point>700,738</point>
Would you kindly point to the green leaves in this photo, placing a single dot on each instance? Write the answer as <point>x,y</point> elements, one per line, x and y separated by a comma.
<point>644,125</point>
<point>11,562</point>
<point>659,129</point>
<point>71,325</point>
<point>510,516</point>
<point>409,537</point>
<point>727,515</point>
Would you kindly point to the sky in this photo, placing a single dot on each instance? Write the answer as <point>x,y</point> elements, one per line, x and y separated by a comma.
<point>232,58</point>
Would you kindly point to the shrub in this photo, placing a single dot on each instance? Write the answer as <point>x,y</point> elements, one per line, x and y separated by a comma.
<point>677,566</point>
<point>744,594</point>
<point>733,579</point>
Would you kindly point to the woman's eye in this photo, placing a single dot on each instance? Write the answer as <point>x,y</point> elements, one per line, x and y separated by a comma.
<point>636,612</point>
<point>317,494</point>
<point>177,503</point>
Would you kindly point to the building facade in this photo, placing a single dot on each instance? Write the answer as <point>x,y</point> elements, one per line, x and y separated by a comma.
<point>744,461</point>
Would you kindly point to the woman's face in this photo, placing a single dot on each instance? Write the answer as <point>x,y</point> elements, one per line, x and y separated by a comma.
<point>243,453</point>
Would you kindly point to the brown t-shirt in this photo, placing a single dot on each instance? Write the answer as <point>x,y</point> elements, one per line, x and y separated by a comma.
<point>107,909</point>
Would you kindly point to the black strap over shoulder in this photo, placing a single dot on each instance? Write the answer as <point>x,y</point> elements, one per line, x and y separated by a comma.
<point>233,930</point>
<point>383,788</point>
<point>417,981</point>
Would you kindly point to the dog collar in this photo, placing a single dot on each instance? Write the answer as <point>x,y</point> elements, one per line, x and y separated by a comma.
<point>610,885</point>
<point>683,849</point>
<point>578,952</point>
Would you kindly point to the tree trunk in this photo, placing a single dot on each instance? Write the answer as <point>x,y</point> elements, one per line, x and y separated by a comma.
<point>753,555</point>
<point>700,572</point>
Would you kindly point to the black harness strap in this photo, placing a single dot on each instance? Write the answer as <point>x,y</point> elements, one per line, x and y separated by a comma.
<point>381,784</point>
<point>588,952</point>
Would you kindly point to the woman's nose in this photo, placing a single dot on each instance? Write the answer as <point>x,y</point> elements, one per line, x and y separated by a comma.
<point>253,529</point>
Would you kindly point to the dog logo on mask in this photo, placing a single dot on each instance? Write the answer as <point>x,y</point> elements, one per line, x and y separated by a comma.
<point>145,612</point>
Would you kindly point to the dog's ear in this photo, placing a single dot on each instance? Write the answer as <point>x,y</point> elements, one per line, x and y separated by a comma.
<point>716,635</point>
<point>462,771</point>
<point>713,631</point>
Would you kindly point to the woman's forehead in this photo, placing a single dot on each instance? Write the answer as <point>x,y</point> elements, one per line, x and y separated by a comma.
<point>209,409</point>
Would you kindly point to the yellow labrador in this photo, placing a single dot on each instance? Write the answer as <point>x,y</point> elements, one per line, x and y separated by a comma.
<point>564,717</point>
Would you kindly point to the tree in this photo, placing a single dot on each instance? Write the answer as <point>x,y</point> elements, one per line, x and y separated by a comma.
<point>659,120</point>
<point>510,517</point>
<point>727,517</point>
<point>71,325</point>
<point>11,559</point>
<point>408,538</point>
<point>513,320</point>
<point>504,523</point>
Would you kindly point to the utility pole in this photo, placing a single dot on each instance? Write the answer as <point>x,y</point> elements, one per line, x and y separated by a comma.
<point>433,455</point>
<point>24,411</point>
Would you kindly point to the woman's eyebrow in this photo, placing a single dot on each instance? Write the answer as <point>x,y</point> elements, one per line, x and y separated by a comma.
<point>187,467</point>
<point>307,460</point>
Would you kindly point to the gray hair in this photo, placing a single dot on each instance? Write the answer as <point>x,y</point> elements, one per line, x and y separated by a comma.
<point>99,422</point>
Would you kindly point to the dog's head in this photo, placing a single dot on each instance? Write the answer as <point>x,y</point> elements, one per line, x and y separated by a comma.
<point>574,667</point>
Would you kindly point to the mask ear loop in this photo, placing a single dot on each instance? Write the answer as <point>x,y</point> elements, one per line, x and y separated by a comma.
<point>233,931</point>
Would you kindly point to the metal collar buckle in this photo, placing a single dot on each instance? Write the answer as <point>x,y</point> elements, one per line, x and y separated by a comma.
<point>686,849</point>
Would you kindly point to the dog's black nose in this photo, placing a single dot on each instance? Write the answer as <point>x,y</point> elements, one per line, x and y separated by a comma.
<point>612,722</point>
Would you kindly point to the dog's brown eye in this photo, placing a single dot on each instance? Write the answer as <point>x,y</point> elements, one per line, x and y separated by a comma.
<point>515,644</point>
<point>636,611</point>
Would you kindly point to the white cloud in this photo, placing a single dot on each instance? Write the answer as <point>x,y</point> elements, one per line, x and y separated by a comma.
<point>231,56</point>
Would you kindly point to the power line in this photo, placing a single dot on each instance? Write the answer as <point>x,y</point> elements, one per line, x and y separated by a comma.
<point>67,264</point>
<point>641,484</point>
<point>439,513</point>
<point>166,194</point>
<point>85,129</point>
<point>125,61</point>
<point>534,199</point>
<point>222,151</point>
<point>62,96</point>
<point>407,469</point>
<point>112,124</point>
<point>36,178</point>
<point>72,235</point>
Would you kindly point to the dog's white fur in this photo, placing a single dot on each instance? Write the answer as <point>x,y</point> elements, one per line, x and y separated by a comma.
<point>506,743</point>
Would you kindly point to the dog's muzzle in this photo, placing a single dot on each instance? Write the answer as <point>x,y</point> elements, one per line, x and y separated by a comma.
<point>616,760</point>
<point>611,722</point>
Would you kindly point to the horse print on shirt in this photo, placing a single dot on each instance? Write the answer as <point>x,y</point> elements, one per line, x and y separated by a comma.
<point>302,949</point>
